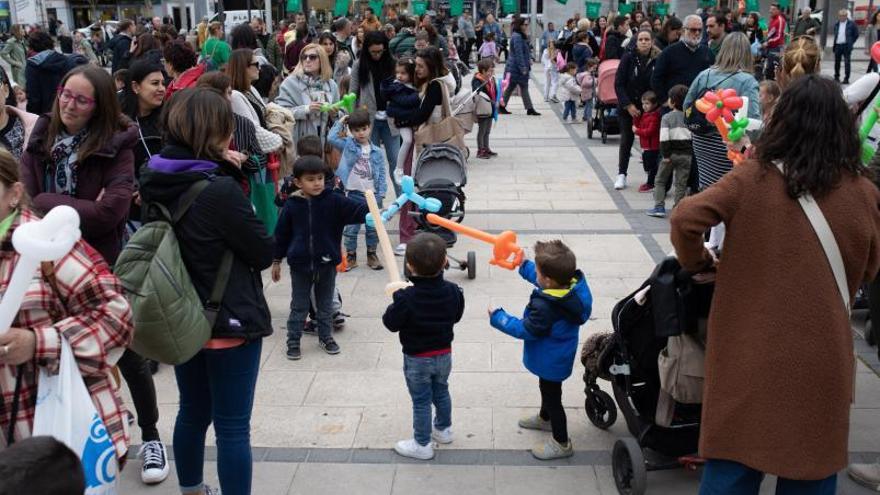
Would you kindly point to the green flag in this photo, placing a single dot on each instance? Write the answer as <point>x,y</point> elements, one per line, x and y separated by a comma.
<point>376,5</point>
<point>419,7</point>
<point>661,9</point>
<point>593,9</point>
<point>762,23</point>
<point>783,4</point>
<point>753,6</point>
<point>625,8</point>
<point>341,8</point>
<point>508,6</point>
<point>456,7</point>
<point>294,6</point>
<point>563,2</point>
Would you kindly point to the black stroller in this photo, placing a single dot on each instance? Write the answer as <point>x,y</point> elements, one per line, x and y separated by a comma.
<point>673,305</point>
<point>441,172</point>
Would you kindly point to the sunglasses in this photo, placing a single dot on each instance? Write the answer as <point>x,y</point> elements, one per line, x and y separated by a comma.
<point>310,56</point>
<point>255,65</point>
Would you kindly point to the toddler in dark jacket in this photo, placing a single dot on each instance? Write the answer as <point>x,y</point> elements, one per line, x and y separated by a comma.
<point>423,315</point>
<point>559,305</point>
<point>308,234</point>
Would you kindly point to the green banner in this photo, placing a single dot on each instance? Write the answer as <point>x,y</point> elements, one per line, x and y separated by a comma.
<point>593,9</point>
<point>707,3</point>
<point>563,2</point>
<point>456,7</point>
<point>753,6</point>
<point>294,6</point>
<point>625,8</point>
<point>419,7</point>
<point>783,4</point>
<point>508,6</point>
<point>661,9</point>
<point>762,23</point>
<point>377,5</point>
<point>341,8</point>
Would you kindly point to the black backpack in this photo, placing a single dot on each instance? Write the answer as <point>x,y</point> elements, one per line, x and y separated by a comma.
<point>694,119</point>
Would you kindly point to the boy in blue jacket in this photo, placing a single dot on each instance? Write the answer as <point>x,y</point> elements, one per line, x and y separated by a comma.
<point>308,234</point>
<point>559,305</point>
<point>361,168</point>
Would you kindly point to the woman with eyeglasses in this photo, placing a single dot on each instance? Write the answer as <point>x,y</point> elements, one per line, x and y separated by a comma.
<point>306,89</point>
<point>81,155</point>
<point>15,124</point>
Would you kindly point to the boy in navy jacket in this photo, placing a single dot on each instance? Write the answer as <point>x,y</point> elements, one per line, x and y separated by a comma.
<point>423,315</point>
<point>308,234</point>
<point>559,305</point>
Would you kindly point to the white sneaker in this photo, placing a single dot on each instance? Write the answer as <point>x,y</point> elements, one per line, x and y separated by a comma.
<point>400,250</point>
<point>620,183</point>
<point>411,448</point>
<point>154,459</point>
<point>442,436</point>
<point>866,474</point>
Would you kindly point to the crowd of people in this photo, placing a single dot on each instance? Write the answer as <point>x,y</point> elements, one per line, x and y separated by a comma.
<point>150,121</point>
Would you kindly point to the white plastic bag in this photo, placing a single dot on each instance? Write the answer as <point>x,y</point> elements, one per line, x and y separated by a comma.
<point>66,411</point>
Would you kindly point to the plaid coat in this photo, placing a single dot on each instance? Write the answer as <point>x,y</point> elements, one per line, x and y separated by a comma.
<point>91,312</point>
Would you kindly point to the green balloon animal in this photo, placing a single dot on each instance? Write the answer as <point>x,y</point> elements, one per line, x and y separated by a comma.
<point>346,103</point>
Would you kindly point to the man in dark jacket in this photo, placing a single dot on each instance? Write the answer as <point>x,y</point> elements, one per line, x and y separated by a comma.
<point>405,40</point>
<point>845,35</point>
<point>120,45</point>
<point>44,71</point>
<point>680,62</point>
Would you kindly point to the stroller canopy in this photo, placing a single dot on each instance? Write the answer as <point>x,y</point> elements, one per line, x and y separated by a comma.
<point>440,162</point>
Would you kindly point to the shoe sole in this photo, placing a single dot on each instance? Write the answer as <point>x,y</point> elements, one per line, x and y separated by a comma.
<point>294,358</point>
<point>657,215</point>
<point>553,457</point>
<point>873,485</point>
<point>332,353</point>
<point>158,479</point>
<point>441,440</point>
<point>548,427</point>
<point>377,267</point>
<point>413,456</point>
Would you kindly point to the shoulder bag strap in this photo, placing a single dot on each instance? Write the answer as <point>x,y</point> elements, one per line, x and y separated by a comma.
<point>445,111</point>
<point>188,198</point>
<point>829,244</point>
<point>212,305</point>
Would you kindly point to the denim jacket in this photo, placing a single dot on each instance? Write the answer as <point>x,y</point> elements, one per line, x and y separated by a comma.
<point>351,151</point>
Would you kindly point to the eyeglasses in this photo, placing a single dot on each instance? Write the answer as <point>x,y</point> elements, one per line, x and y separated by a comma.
<point>694,30</point>
<point>255,65</point>
<point>65,96</point>
<point>310,56</point>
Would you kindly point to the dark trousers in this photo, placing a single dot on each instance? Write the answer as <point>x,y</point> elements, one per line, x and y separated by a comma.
<point>135,369</point>
<point>323,279</point>
<point>468,46</point>
<point>484,127</point>
<point>552,410</point>
<point>732,478</point>
<point>872,66</point>
<point>844,52</point>
<point>217,386</point>
<point>694,176</point>
<point>874,305</point>
<point>626,140</point>
<point>523,91</point>
<point>650,162</point>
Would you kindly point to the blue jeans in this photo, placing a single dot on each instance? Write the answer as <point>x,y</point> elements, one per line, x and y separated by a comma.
<point>350,232</point>
<point>732,478</point>
<point>380,135</point>
<point>569,108</point>
<point>217,386</point>
<point>588,110</point>
<point>427,379</point>
<point>323,279</point>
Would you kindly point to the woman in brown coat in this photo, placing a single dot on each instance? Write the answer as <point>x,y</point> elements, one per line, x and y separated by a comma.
<point>779,357</point>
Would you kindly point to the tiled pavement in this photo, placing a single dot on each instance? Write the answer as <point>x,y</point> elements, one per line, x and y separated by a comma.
<point>326,424</point>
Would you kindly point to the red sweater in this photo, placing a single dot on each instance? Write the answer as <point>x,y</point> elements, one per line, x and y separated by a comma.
<point>776,32</point>
<point>648,129</point>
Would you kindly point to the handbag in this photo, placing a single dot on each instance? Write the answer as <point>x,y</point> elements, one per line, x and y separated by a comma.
<point>447,131</point>
<point>482,105</point>
<point>263,198</point>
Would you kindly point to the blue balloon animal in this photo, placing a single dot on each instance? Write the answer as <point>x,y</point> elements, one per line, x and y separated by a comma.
<point>408,193</point>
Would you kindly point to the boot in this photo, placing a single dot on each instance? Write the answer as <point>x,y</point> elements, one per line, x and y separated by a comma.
<point>373,260</point>
<point>351,261</point>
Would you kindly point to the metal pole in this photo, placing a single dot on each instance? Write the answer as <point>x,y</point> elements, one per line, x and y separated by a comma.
<point>826,10</point>
<point>249,10</point>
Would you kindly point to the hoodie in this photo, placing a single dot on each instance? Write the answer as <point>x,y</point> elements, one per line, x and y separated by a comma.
<point>43,74</point>
<point>550,324</point>
<point>204,236</point>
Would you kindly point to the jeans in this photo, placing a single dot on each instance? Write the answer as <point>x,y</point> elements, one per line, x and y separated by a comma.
<point>552,410</point>
<point>217,386</point>
<point>136,371</point>
<point>771,62</point>
<point>427,379</point>
<point>381,135</point>
<point>845,52</point>
<point>350,232</point>
<point>680,166</point>
<point>649,163</point>
<point>732,478</point>
<point>588,110</point>
<point>551,82</point>
<point>523,90</point>
<point>569,108</point>
<point>626,140</point>
<point>484,127</point>
<point>323,279</point>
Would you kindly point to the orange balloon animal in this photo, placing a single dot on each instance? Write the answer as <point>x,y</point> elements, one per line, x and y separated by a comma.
<point>507,253</point>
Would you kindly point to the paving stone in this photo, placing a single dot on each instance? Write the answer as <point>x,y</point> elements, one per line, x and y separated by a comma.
<point>433,479</point>
<point>342,479</point>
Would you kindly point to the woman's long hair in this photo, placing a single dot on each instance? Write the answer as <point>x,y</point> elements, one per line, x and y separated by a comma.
<point>436,68</point>
<point>199,120</point>
<point>136,73</point>
<point>811,131</point>
<point>146,42</point>
<point>237,69</point>
<point>366,62</point>
<point>106,120</point>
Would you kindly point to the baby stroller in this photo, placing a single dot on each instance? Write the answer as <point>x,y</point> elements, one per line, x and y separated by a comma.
<point>605,102</point>
<point>441,172</point>
<point>667,305</point>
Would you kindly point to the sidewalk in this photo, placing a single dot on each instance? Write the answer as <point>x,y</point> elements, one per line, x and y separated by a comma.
<point>326,424</point>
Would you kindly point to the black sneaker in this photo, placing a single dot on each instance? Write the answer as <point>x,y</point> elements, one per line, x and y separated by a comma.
<point>311,327</point>
<point>338,320</point>
<point>503,111</point>
<point>330,346</point>
<point>155,462</point>
<point>293,352</point>
<point>532,112</point>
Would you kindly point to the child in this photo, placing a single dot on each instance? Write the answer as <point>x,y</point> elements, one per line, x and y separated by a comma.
<point>402,98</point>
<point>675,145</point>
<point>570,92</point>
<point>484,82</point>
<point>422,40</point>
<point>423,315</point>
<point>647,127</point>
<point>558,307</point>
<point>587,82</point>
<point>119,79</point>
<point>768,92</point>
<point>40,465</point>
<point>361,169</point>
<point>309,233</point>
<point>488,49</point>
<point>551,72</point>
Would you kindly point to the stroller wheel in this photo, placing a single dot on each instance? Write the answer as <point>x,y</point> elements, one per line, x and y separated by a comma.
<point>870,338</point>
<point>601,409</point>
<point>590,127</point>
<point>604,135</point>
<point>628,466</point>
<point>471,265</point>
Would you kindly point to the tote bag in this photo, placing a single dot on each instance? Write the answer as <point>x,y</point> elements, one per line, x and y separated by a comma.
<point>263,199</point>
<point>447,131</point>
